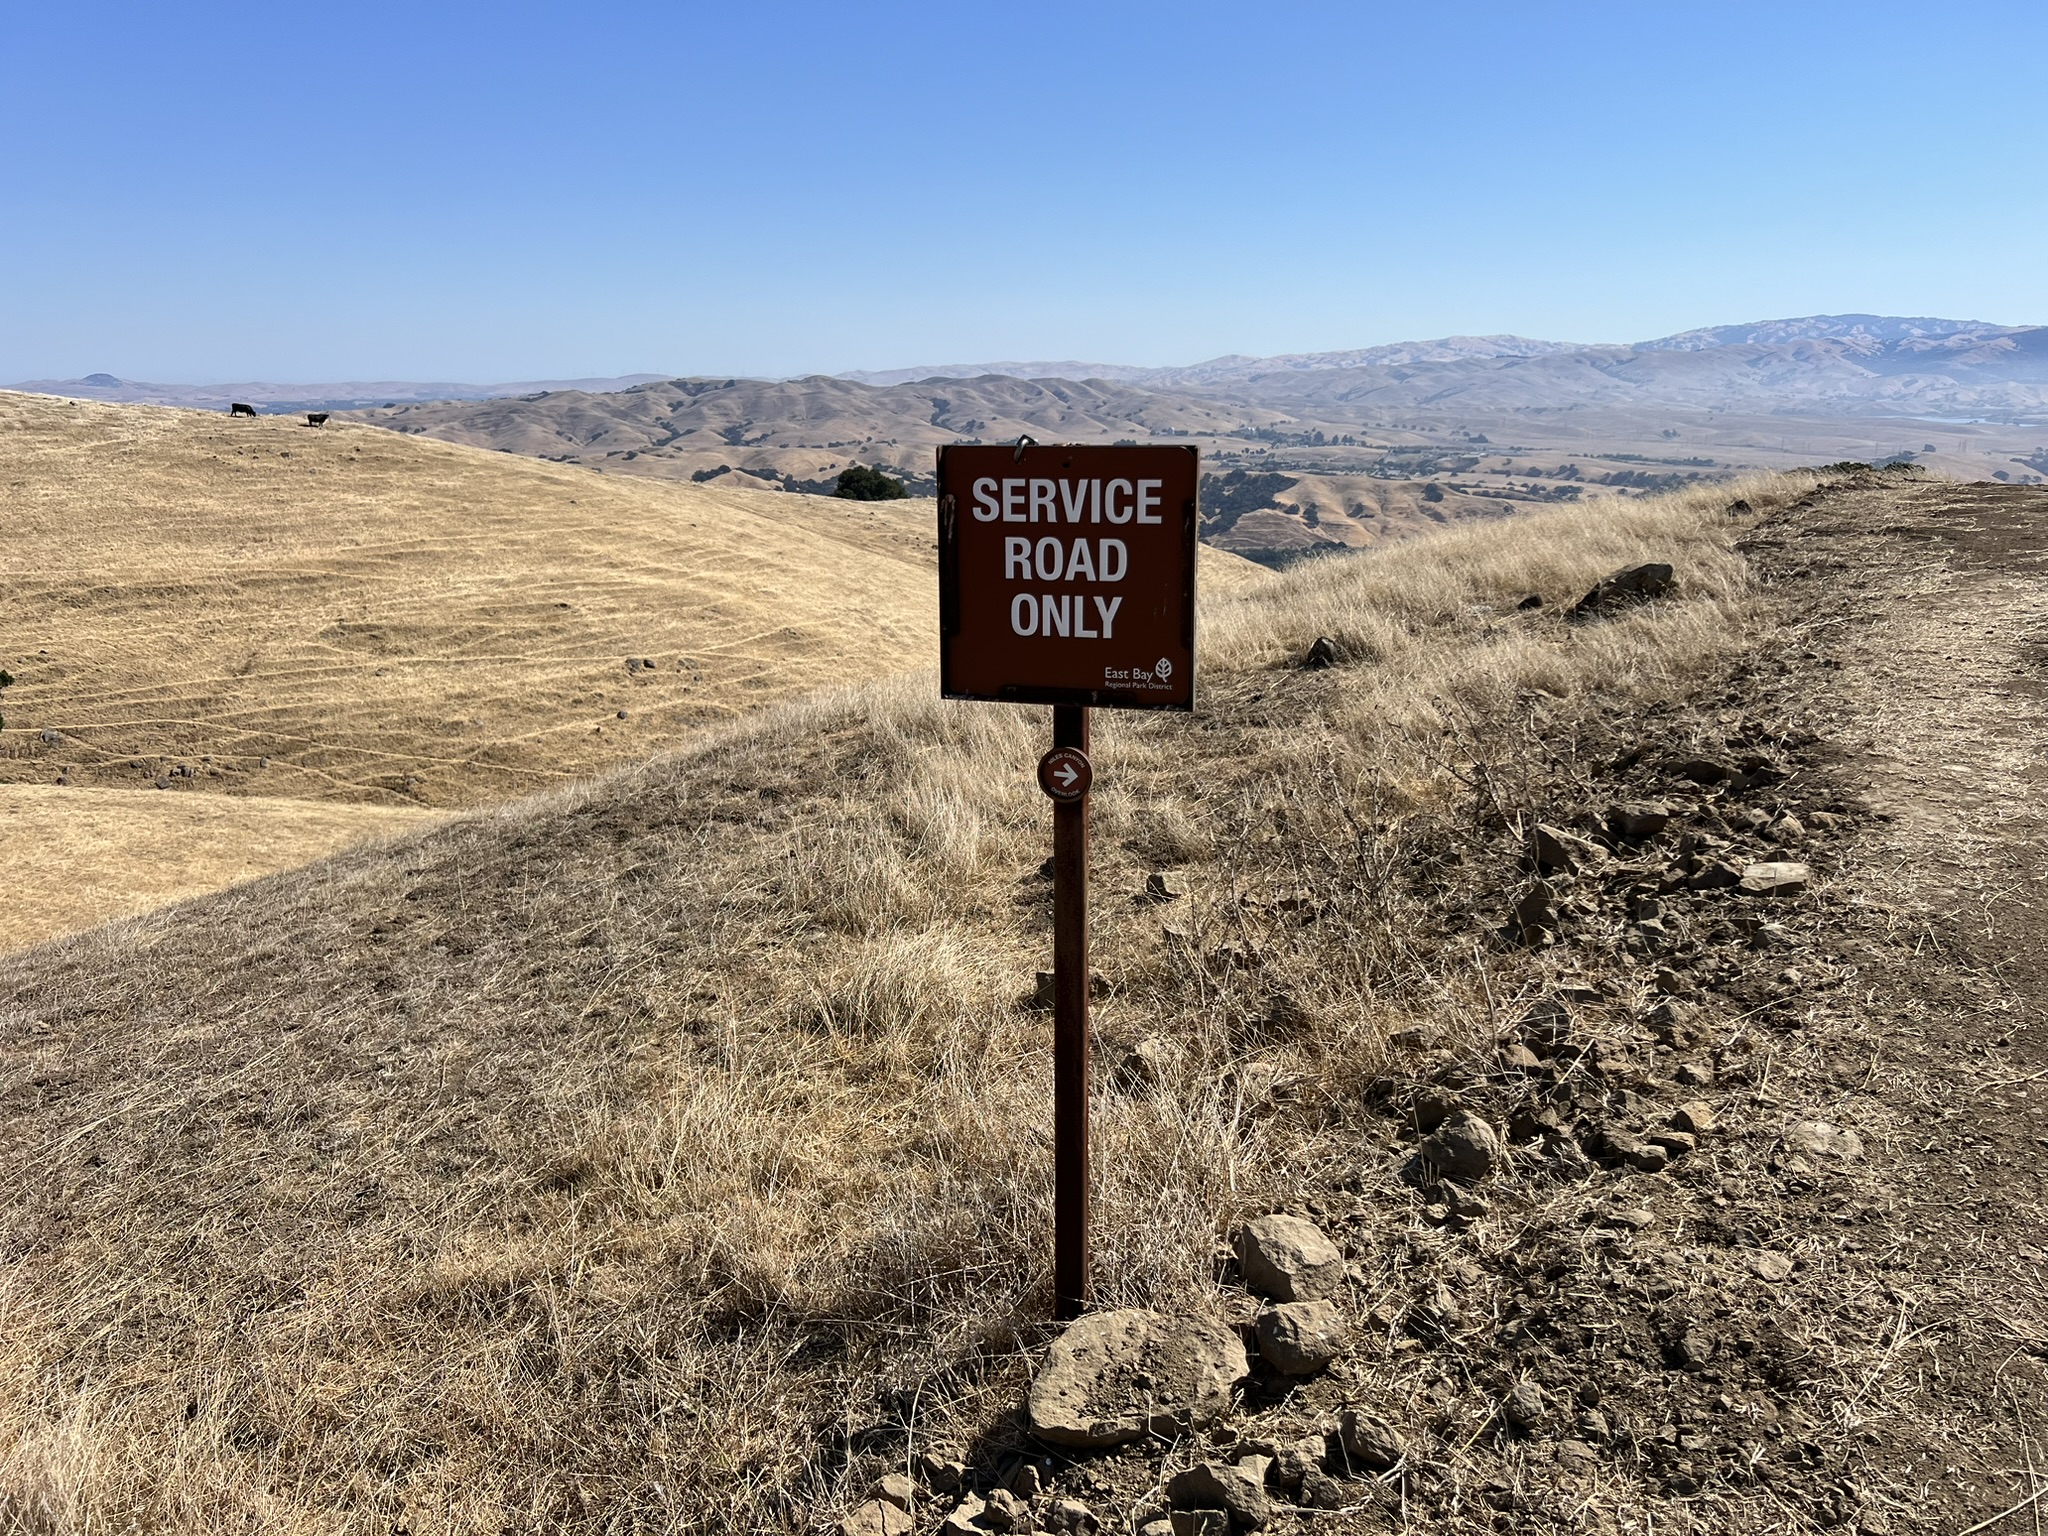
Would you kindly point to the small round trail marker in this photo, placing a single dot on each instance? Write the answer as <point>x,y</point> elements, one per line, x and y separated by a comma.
<point>1065,773</point>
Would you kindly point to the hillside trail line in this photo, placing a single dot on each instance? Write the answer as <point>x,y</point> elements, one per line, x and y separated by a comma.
<point>1923,610</point>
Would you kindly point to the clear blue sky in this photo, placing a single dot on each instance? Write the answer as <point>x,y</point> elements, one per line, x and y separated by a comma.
<point>319,191</point>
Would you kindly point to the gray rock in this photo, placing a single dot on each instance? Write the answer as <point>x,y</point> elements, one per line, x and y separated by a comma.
<point>1637,821</point>
<point>1006,1512</point>
<point>1147,1063</point>
<point>1771,1266</point>
<point>1288,1259</point>
<point>1369,1441</point>
<point>1536,908</point>
<point>1592,1425</point>
<point>1806,1145</point>
<point>1718,874</point>
<point>1784,879</point>
<point>1114,1377</point>
<point>1674,1143</point>
<point>942,1469</point>
<point>1209,1485</point>
<point>1464,1147</point>
<point>1073,1515</point>
<point>965,1518</point>
<point>1695,1116</point>
<point>1555,849</point>
<point>878,1517</point>
<point>1517,1057</point>
<point>1166,885</point>
<point>1300,1338</point>
<point>897,1489</point>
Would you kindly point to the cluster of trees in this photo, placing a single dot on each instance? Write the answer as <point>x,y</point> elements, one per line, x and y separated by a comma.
<point>858,482</point>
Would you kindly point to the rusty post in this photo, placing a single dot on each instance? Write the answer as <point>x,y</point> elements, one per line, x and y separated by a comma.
<point>1070,1030</point>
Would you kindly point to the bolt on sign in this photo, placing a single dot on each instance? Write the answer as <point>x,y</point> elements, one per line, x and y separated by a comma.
<point>1067,575</point>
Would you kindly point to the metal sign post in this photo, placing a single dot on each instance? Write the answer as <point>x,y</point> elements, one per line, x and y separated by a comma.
<point>1067,577</point>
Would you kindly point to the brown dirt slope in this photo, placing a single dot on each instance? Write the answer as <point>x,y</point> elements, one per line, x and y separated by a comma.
<point>669,1153</point>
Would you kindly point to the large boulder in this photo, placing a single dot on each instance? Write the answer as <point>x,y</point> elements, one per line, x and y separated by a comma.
<point>1288,1259</point>
<point>1114,1377</point>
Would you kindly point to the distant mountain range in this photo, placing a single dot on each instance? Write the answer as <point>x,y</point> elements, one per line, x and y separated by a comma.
<point>1859,364</point>
<point>305,397</point>
<point>1304,452</point>
<point>1835,364</point>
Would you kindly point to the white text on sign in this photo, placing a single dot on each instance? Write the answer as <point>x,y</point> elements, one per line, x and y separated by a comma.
<point>1073,501</point>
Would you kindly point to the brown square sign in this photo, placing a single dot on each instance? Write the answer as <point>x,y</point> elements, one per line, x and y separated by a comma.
<point>1067,575</point>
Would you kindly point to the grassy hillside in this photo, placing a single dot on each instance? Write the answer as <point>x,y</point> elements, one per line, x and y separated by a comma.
<point>656,1153</point>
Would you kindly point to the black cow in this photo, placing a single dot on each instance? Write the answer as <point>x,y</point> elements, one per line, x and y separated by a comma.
<point>237,408</point>
<point>316,418</point>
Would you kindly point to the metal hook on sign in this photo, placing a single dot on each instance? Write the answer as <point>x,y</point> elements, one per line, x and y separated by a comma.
<point>1024,440</point>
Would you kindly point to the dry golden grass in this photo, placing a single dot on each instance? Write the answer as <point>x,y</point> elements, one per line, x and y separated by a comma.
<point>632,1157</point>
<point>76,857</point>
<point>353,617</point>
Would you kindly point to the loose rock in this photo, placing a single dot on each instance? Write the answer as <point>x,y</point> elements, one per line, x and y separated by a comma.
<point>1775,879</point>
<point>1633,584</point>
<point>1146,1064</point>
<point>1536,909</point>
<point>878,1518</point>
<point>1524,1407</point>
<point>1300,1338</point>
<point>1695,1116</point>
<point>1368,1440</point>
<point>1089,1392</point>
<point>1199,1522</point>
<point>897,1489</point>
<point>1771,1266</point>
<point>1006,1512</point>
<point>1805,1144</point>
<point>1464,1147</point>
<point>1208,1485</point>
<point>1166,885</point>
<point>1555,849</point>
<point>1288,1259</point>
<point>965,1518</point>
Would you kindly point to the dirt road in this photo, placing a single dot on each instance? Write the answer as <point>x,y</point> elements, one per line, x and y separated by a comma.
<point>1923,636</point>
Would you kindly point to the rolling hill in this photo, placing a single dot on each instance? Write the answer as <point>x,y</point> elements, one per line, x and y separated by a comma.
<point>1317,452</point>
<point>668,1152</point>
<point>239,644</point>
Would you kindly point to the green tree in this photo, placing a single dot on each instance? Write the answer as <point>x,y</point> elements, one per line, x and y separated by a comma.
<point>857,482</point>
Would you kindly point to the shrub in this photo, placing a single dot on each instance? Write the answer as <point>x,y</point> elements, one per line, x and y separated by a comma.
<point>858,482</point>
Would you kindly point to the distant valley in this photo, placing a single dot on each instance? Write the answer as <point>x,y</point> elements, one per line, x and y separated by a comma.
<point>1327,451</point>
<point>1305,453</point>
